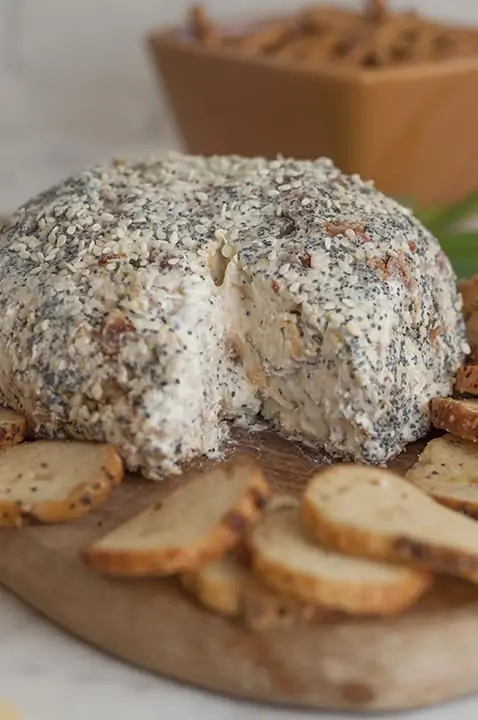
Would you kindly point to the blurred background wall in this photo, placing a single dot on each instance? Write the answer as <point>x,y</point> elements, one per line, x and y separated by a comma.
<point>76,84</point>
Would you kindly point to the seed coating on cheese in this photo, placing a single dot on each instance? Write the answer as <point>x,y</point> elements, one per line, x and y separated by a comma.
<point>146,303</point>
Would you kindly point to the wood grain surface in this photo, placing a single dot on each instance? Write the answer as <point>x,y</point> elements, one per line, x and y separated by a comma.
<point>424,656</point>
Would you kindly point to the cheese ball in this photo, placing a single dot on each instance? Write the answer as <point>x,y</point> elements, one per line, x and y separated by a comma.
<point>149,303</point>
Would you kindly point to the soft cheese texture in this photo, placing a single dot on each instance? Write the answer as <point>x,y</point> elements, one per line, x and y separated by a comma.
<point>144,303</point>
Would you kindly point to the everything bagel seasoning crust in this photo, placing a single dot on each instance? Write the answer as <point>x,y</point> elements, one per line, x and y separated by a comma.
<point>146,303</point>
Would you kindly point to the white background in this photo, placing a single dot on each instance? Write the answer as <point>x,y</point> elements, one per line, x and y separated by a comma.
<point>76,84</point>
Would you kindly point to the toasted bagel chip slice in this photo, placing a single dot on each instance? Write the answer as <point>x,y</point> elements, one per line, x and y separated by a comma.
<point>264,608</point>
<point>469,292</point>
<point>219,585</point>
<point>448,471</point>
<point>458,417</point>
<point>287,561</point>
<point>228,588</point>
<point>466,381</point>
<point>371,512</point>
<point>194,525</point>
<point>471,324</point>
<point>12,428</point>
<point>55,481</point>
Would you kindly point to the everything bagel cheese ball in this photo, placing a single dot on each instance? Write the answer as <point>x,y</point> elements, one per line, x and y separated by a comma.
<point>146,303</point>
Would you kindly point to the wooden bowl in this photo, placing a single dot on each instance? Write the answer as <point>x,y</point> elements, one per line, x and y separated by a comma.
<point>412,129</point>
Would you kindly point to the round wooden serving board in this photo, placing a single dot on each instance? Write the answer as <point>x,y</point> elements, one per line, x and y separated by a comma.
<point>426,655</point>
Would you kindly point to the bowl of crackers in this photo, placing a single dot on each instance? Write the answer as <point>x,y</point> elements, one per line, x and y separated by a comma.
<point>390,95</point>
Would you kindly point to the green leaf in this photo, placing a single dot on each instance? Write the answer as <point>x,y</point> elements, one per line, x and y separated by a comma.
<point>408,202</point>
<point>430,217</point>
<point>443,218</point>
<point>460,246</point>
<point>462,250</point>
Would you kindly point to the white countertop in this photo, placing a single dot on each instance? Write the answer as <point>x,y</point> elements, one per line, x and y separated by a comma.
<point>45,674</point>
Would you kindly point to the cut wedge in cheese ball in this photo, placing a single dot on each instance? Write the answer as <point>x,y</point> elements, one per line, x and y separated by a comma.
<point>448,471</point>
<point>194,525</point>
<point>12,427</point>
<point>286,560</point>
<point>467,380</point>
<point>369,512</point>
<point>458,417</point>
<point>55,481</point>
